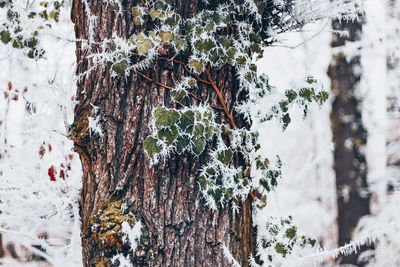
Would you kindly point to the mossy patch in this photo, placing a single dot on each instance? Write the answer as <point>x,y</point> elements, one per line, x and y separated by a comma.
<point>106,230</point>
<point>80,126</point>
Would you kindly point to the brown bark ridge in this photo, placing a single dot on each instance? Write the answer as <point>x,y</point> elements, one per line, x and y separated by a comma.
<point>349,137</point>
<point>178,229</point>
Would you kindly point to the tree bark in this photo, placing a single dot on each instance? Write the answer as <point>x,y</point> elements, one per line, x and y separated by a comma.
<point>349,137</point>
<point>393,68</point>
<point>179,230</point>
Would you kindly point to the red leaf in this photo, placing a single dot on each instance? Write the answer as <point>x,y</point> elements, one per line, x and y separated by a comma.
<point>9,85</point>
<point>41,151</point>
<point>15,98</point>
<point>50,148</point>
<point>62,174</point>
<point>51,173</point>
<point>5,95</point>
<point>70,156</point>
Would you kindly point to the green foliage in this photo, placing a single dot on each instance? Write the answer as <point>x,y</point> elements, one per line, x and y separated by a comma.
<point>281,237</point>
<point>15,30</point>
<point>151,146</point>
<point>179,130</point>
<point>310,92</point>
<point>229,35</point>
<point>225,156</point>
<point>165,118</point>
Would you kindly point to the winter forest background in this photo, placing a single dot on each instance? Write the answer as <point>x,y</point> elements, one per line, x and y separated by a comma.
<point>40,174</point>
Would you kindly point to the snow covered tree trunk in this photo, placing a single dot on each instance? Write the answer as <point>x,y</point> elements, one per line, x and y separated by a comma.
<point>349,134</point>
<point>393,68</point>
<point>178,229</point>
<point>1,247</point>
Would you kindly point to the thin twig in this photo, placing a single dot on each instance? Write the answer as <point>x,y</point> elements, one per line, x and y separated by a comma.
<point>196,97</point>
<point>153,81</point>
<point>221,99</point>
<point>216,107</point>
<point>171,88</point>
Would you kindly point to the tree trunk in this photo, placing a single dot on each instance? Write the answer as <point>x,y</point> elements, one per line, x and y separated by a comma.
<point>349,137</point>
<point>393,68</point>
<point>179,230</point>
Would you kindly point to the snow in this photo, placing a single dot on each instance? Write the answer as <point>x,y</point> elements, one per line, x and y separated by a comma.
<point>132,234</point>
<point>35,210</point>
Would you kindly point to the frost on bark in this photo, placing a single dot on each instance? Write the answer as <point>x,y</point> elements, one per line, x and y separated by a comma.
<point>178,228</point>
<point>349,136</point>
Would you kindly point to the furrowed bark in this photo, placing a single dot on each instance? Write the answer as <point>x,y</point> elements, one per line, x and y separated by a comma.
<point>178,229</point>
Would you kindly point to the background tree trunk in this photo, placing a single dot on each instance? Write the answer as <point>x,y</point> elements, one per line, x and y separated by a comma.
<point>349,137</point>
<point>393,68</point>
<point>179,230</point>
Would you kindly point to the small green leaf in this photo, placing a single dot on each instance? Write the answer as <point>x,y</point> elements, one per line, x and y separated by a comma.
<point>178,95</point>
<point>280,249</point>
<point>241,60</point>
<point>291,232</point>
<point>154,14</point>
<point>151,146</point>
<point>210,171</point>
<point>160,6</point>
<point>231,54</point>
<point>188,26</point>
<point>173,20</point>
<point>168,134</point>
<point>265,184</point>
<point>198,130</point>
<point>120,67</point>
<point>182,142</point>
<point>198,66</point>
<point>165,118</point>
<point>180,43</point>
<point>137,11</point>
<point>202,182</point>
<point>225,42</point>
<point>198,145</point>
<point>137,21</point>
<point>286,120</point>
<point>204,46</point>
<point>291,95</point>
<point>321,97</point>
<point>166,36</point>
<point>5,36</point>
<point>31,42</point>
<point>210,26</point>
<point>144,46</point>
<point>225,156</point>
<point>310,80</point>
<point>187,121</point>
